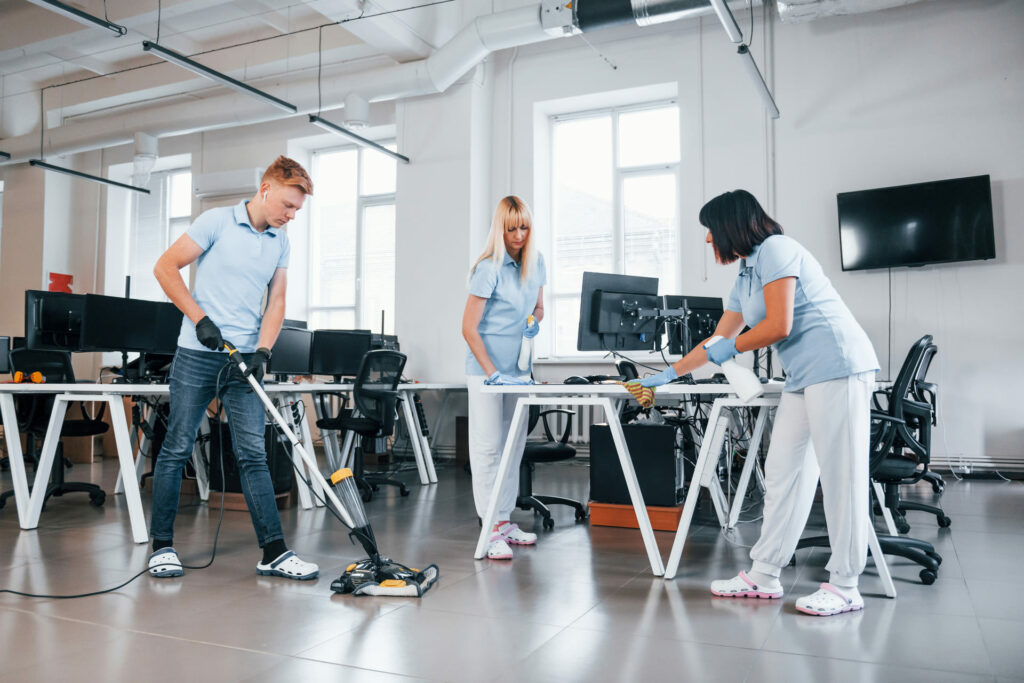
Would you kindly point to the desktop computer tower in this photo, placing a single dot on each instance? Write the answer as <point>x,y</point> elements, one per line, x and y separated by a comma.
<point>652,449</point>
<point>279,460</point>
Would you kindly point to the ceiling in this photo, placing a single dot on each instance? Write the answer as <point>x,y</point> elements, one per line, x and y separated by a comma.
<point>85,71</point>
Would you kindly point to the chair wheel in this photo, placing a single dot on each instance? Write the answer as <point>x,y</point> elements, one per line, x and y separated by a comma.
<point>3,501</point>
<point>945,521</point>
<point>549,523</point>
<point>927,577</point>
<point>902,526</point>
<point>97,499</point>
<point>367,495</point>
<point>403,491</point>
<point>938,488</point>
<point>581,515</point>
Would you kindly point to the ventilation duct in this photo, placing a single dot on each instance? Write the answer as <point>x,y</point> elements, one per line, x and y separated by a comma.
<point>794,11</point>
<point>595,14</point>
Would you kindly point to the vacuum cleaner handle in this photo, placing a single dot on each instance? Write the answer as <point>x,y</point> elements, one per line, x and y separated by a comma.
<point>314,471</point>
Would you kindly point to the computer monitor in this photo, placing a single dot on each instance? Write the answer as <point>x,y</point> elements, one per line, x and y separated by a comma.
<point>609,313</point>
<point>112,323</point>
<point>338,352</point>
<point>384,341</point>
<point>300,324</point>
<point>704,314</point>
<point>291,353</point>
<point>5,355</point>
<point>53,320</point>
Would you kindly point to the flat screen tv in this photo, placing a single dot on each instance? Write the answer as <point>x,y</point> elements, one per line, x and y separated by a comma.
<point>916,225</point>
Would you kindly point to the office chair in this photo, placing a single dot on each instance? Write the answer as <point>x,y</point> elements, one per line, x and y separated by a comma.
<point>375,395</point>
<point>907,462</point>
<point>927,392</point>
<point>545,451</point>
<point>34,417</point>
<point>884,432</point>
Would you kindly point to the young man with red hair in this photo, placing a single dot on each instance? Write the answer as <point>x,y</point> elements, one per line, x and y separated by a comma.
<point>242,253</point>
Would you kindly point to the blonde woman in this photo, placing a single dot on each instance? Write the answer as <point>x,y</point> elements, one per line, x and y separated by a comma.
<point>506,286</point>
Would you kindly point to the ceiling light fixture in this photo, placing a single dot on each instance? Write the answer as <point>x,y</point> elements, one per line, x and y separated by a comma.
<point>728,20</point>
<point>78,15</point>
<point>207,72</point>
<point>359,139</point>
<point>736,35</point>
<point>78,174</point>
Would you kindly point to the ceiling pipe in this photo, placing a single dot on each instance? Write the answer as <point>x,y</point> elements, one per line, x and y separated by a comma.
<point>435,74</point>
<point>794,11</point>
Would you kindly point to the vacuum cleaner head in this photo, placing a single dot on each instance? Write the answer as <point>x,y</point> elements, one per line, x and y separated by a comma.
<point>380,576</point>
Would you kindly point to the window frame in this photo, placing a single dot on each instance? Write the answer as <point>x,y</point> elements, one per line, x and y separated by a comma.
<point>362,203</point>
<point>619,176</point>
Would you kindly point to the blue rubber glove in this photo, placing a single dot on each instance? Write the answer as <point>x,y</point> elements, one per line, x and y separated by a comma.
<point>498,378</point>
<point>530,331</point>
<point>663,377</point>
<point>721,351</point>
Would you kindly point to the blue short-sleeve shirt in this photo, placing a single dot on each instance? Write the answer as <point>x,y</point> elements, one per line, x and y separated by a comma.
<point>509,303</point>
<point>826,341</point>
<point>234,270</point>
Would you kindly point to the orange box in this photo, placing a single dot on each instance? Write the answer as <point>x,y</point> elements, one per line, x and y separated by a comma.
<point>607,514</point>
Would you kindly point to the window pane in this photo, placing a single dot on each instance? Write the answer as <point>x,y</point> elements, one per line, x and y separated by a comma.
<point>649,137</point>
<point>567,318</point>
<point>147,238</point>
<point>581,200</point>
<point>333,272</point>
<point>333,319</point>
<point>181,195</point>
<point>379,267</point>
<point>379,171</point>
<point>649,227</point>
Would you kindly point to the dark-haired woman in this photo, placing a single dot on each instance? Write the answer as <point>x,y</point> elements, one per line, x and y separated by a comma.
<point>822,427</point>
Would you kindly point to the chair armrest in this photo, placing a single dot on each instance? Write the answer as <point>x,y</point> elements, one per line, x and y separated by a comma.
<point>929,392</point>
<point>568,424</point>
<point>880,392</point>
<point>878,415</point>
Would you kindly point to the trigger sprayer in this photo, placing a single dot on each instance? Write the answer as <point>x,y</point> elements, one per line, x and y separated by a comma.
<point>743,380</point>
<point>526,350</point>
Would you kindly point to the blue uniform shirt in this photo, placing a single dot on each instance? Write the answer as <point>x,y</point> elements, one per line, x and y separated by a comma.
<point>826,342</point>
<point>509,303</point>
<point>232,274</point>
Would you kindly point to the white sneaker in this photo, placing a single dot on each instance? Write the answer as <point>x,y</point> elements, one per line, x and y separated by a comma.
<point>830,600</point>
<point>289,566</point>
<point>742,587</point>
<point>516,536</point>
<point>498,549</point>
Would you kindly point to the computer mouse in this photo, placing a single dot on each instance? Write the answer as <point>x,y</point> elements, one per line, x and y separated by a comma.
<point>576,379</point>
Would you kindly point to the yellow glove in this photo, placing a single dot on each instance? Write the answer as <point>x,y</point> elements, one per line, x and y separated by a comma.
<point>643,395</point>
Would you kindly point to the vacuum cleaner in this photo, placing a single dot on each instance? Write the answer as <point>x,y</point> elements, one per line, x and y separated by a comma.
<point>376,575</point>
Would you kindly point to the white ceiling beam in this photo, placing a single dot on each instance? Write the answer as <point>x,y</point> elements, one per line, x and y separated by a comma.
<point>260,11</point>
<point>390,34</point>
<point>72,56</point>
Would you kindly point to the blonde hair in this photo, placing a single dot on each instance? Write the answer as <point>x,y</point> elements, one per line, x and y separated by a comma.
<point>285,171</point>
<point>512,212</point>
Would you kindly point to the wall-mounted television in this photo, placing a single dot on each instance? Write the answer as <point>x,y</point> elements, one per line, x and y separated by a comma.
<point>915,225</point>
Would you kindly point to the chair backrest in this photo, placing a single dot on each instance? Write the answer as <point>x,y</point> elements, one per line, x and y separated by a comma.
<point>908,373</point>
<point>374,392</point>
<point>55,365</point>
<point>922,372</point>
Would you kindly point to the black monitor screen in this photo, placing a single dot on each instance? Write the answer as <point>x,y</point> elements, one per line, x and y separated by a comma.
<point>339,352</point>
<point>114,323</point>
<point>290,355</point>
<point>300,324</point>
<point>53,320</point>
<point>608,312</point>
<point>5,355</point>
<point>705,312</point>
<point>914,225</point>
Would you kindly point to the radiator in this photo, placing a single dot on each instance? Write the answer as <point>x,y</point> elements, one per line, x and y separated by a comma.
<point>582,418</point>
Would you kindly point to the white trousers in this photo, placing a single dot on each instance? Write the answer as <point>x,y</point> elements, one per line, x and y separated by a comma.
<point>490,417</point>
<point>823,432</point>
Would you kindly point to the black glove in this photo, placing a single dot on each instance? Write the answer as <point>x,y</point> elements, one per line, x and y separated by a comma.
<point>209,334</point>
<point>254,363</point>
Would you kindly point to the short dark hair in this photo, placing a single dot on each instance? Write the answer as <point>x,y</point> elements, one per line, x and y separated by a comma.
<point>737,224</point>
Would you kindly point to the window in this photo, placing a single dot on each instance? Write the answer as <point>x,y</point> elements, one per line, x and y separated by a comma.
<point>1,211</point>
<point>352,259</point>
<point>615,179</point>
<point>158,219</point>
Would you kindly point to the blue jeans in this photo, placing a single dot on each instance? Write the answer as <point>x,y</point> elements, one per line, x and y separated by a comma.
<point>194,376</point>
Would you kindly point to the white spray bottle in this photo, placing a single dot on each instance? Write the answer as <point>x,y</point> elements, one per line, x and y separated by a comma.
<point>742,380</point>
<point>526,350</point>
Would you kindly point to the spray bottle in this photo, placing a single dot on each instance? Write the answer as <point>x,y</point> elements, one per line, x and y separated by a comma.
<point>526,350</point>
<point>742,380</point>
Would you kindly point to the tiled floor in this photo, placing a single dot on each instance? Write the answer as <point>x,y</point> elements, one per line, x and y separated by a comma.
<point>580,606</point>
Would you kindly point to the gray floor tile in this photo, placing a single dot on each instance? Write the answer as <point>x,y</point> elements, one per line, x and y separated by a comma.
<point>1004,641</point>
<point>778,667</point>
<point>997,599</point>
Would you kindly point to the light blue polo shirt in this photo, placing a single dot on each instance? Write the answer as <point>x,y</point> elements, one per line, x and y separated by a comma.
<point>826,342</point>
<point>232,274</point>
<point>509,303</point>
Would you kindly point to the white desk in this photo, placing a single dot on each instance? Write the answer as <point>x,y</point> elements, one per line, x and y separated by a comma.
<point>610,398</point>
<point>29,507</point>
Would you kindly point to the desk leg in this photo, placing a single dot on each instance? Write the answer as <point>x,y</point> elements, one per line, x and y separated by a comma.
<point>653,554</point>
<point>710,448</point>
<point>305,496</point>
<point>131,481</point>
<point>519,416</point>
<point>890,523</point>
<point>15,457</point>
<point>411,426</point>
<point>307,442</point>
<point>143,442</point>
<point>428,456</point>
<point>879,558</point>
<point>748,465</point>
<point>50,443</point>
